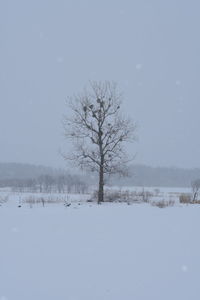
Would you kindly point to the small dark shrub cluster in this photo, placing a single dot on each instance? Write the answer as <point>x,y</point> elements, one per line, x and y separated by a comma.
<point>196,202</point>
<point>163,203</point>
<point>144,195</point>
<point>188,199</point>
<point>185,199</point>
<point>124,196</point>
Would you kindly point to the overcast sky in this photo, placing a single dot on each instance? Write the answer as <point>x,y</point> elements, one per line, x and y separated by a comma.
<point>49,49</point>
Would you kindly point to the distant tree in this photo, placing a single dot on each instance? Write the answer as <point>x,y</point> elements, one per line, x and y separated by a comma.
<point>46,183</point>
<point>98,131</point>
<point>60,183</point>
<point>195,189</point>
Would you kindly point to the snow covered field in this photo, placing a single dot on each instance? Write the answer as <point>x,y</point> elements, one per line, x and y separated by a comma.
<point>109,252</point>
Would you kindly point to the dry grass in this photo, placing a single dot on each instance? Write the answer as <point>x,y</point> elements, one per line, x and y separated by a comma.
<point>32,200</point>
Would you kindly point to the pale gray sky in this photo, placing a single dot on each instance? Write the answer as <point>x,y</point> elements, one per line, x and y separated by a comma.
<point>49,49</point>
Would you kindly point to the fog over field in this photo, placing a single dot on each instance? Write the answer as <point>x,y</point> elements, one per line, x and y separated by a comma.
<point>50,49</point>
<point>86,230</point>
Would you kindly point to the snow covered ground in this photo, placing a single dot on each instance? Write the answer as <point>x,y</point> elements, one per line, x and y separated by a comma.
<point>109,252</point>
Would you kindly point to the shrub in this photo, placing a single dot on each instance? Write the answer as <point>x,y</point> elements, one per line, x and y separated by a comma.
<point>163,203</point>
<point>123,196</point>
<point>185,199</point>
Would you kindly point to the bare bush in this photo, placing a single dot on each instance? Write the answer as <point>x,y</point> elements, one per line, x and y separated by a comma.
<point>195,189</point>
<point>145,195</point>
<point>163,203</point>
<point>123,196</point>
<point>188,199</point>
<point>185,198</point>
<point>196,202</point>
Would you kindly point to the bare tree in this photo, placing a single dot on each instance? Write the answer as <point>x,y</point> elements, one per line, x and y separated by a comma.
<point>60,183</point>
<point>98,131</point>
<point>195,189</point>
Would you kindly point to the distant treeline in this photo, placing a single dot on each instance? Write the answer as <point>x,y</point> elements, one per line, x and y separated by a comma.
<point>31,178</point>
<point>47,184</point>
<point>39,178</point>
<point>141,175</point>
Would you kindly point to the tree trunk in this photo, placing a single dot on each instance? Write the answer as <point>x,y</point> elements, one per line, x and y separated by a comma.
<point>101,186</point>
<point>101,168</point>
<point>195,196</point>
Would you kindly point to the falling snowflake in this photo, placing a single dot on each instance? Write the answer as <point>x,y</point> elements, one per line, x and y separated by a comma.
<point>14,230</point>
<point>41,35</point>
<point>184,268</point>
<point>178,82</point>
<point>138,67</point>
<point>60,59</point>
